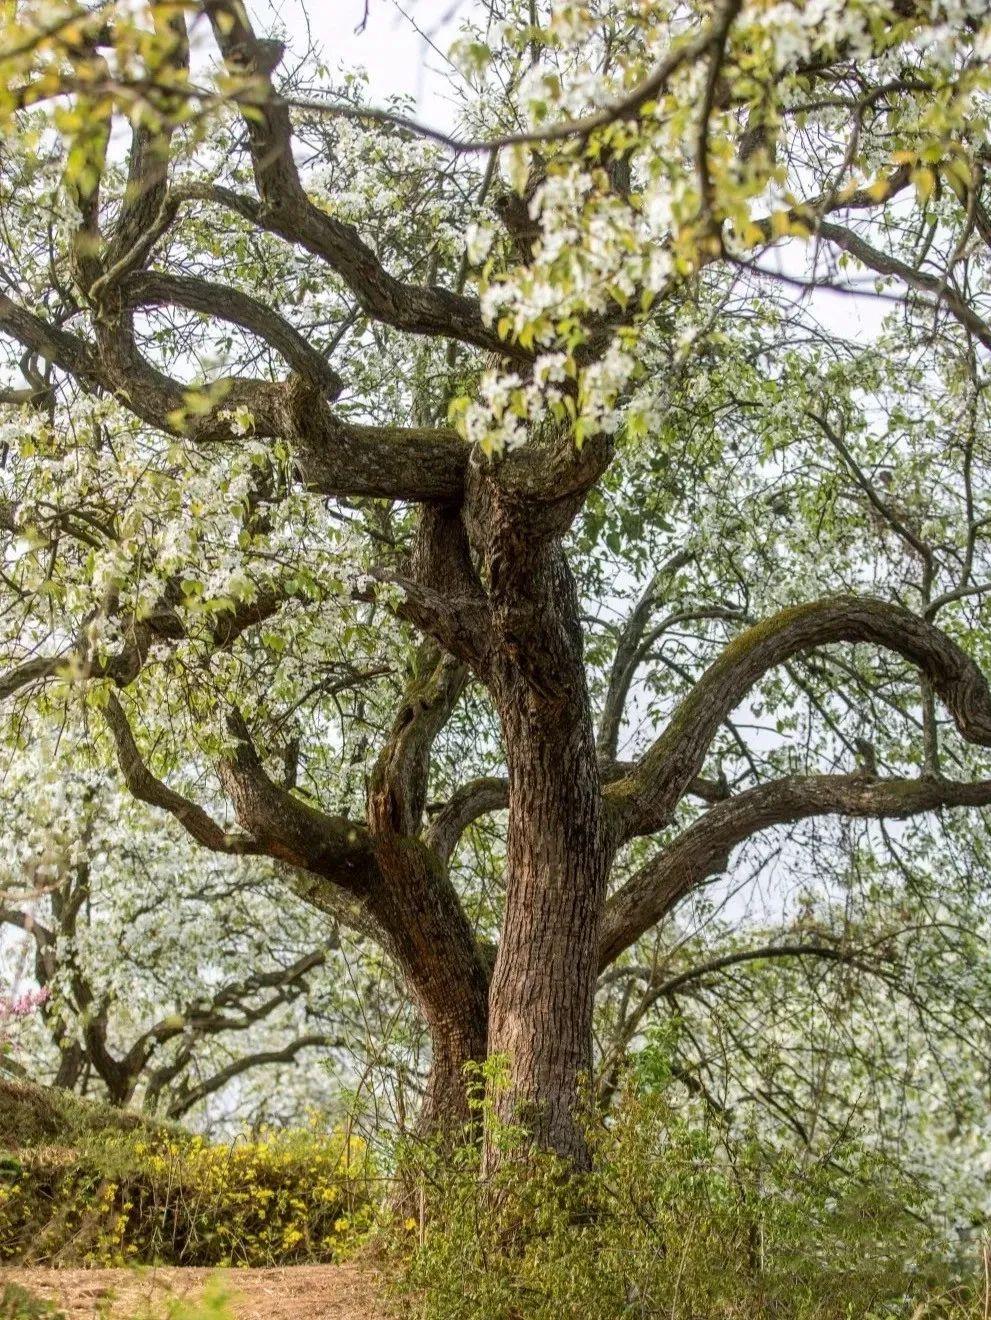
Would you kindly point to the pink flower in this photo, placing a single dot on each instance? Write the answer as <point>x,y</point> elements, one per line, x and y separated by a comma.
<point>19,1006</point>
<point>23,1005</point>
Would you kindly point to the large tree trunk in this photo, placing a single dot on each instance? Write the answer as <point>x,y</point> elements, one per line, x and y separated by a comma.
<point>543,985</point>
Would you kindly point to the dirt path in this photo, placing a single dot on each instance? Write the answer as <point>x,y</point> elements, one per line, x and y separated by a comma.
<point>304,1292</point>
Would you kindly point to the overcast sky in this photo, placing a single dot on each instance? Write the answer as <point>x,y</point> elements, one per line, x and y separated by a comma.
<point>402,43</point>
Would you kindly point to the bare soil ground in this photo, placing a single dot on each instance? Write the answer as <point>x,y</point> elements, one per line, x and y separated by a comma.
<point>303,1292</point>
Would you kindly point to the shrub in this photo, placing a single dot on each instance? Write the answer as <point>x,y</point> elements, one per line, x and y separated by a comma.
<point>677,1220</point>
<point>171,1198</point>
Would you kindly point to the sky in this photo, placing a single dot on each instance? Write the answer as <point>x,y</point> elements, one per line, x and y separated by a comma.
<point>402,43</point>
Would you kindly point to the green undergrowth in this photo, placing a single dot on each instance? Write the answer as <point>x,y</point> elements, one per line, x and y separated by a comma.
<point>677,1220</point>
<point>17,1303</point>
<point>93,1194</point>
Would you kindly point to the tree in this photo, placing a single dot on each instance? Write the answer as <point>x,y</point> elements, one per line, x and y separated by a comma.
<point>156,977</point>
<point>334,541</point>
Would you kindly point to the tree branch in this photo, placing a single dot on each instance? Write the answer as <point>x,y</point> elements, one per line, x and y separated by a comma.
<point>290,830</point>
<point>210,1019</point>
<point>624,108</point>
<point>55,345</point>
<point>186,1099</point>
<point>624,661</point>
<point>464,807</point>
<point>643,800</point>
<point>398,789</point>
<point>147,788</point>
<point>704,848</point>
<point>157,289</point>
<point>334,457</point>
<point>459,623</point>
<point>657,989</point>
<point>885,264</point>
<point>286,209</point>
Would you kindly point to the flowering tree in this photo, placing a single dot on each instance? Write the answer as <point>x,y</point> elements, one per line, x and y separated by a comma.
<point>158,977</point>
<point>369,479</point>
<point>860,1023</point>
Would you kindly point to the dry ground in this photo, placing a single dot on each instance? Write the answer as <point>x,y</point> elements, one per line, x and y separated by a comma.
<point>304,1292</point>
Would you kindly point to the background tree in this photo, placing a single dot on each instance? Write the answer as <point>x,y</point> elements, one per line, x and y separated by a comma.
<point>162,978</point>
<point>622,541</point>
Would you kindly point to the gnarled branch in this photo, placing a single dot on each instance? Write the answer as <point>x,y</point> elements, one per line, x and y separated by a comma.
<point>645,798</point>
<point>147,788</point>
<point>157,289</point>
<point>290,830</point>
<point>703,849</point>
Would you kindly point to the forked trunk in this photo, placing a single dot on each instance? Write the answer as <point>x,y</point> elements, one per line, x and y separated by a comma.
<point>436,948</point>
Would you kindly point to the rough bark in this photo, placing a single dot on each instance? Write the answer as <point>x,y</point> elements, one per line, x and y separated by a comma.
<point>543,985</point>
<point>430,934</point>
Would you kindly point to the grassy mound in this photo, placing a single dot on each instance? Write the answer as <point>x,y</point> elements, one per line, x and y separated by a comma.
<point>83,1184</point>
<point>33,1115</point>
